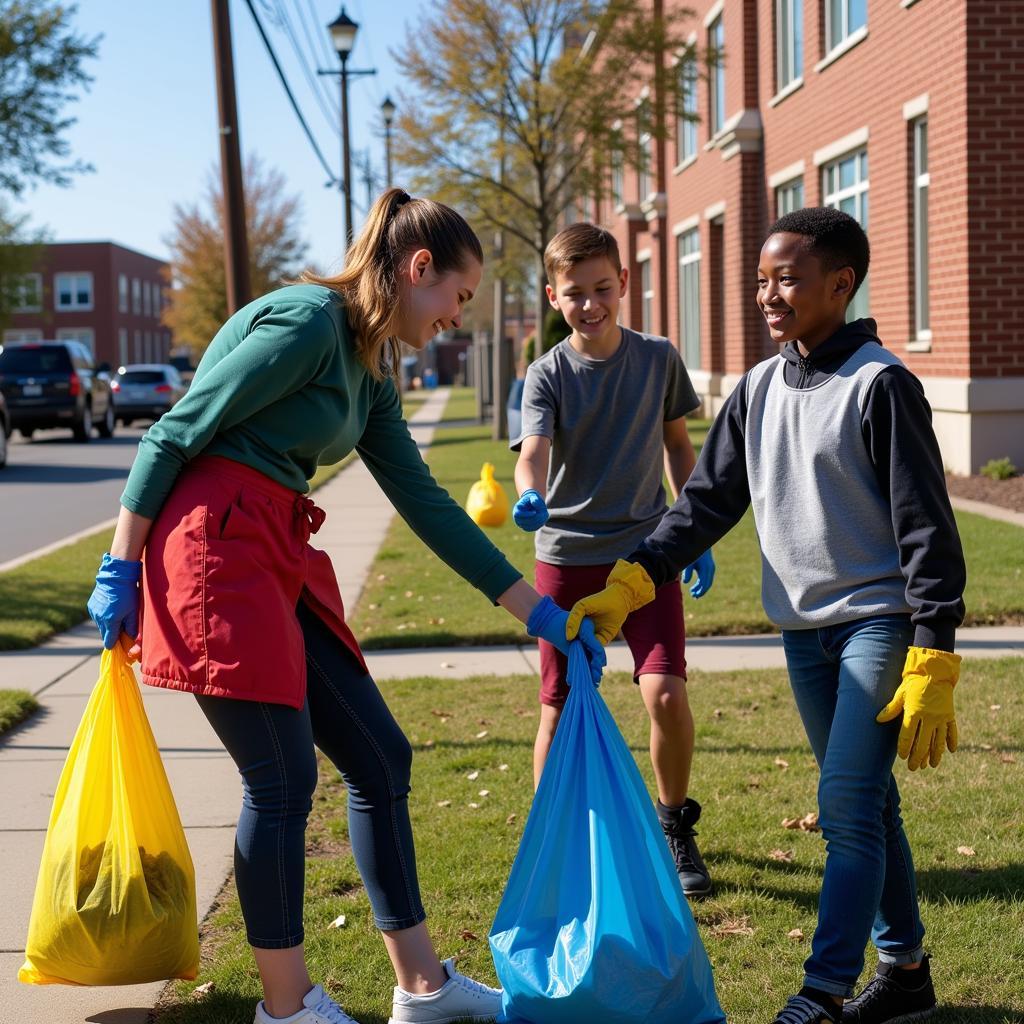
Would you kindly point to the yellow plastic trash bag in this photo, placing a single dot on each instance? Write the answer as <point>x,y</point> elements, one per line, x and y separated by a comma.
<point>487,504</point>
<point>115,900</point>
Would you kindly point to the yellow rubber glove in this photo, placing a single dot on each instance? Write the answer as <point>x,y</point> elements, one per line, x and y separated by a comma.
<point>629,587</point>
<point>925,699</point>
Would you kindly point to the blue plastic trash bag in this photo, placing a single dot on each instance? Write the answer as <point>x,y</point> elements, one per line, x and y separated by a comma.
<point>594,927</point>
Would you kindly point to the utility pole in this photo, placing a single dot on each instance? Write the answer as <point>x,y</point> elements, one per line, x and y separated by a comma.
<point>499,364</point>
<point>236,248</point>
<point>366,174</point>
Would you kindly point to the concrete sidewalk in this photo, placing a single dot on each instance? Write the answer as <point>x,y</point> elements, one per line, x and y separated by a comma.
<point>62,672</point>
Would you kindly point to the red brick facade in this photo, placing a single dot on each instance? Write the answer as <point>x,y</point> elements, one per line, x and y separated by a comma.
<point>116,299</point>
<point>955,65</point>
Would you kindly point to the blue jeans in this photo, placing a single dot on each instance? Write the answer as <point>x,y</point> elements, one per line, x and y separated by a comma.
<point>842,676</point>
<point>273,747</point>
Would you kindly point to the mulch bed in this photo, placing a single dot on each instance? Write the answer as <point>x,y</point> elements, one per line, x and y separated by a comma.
<point>1005,493</point>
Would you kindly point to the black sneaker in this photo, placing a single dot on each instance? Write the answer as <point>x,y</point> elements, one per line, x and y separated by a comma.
<point>677,824</point>
<point>893,996</point>
<point>801,1010</point>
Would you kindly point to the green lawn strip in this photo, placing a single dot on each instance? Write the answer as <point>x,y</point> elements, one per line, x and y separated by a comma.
<point>412,599</point>
<point>752,769</point>
<point>15,707</point>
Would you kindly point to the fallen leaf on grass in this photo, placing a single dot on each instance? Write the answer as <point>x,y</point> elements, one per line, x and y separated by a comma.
<point>408,593</point>
<point>796,934</point>
<point>203,990</point>
<point>781,763</point>
<point>985,746</point>
<point>1007,759</point>
<point>480,735</point>
<point>428,743</point>
<point>733,926</point>
<point>474,806</point>
<point>808,823</point>
<point>382,576</point>
<point>510,819</point>
<point>468,935</point>
<point>473,776</point>
<point>995,707</point>
<point>966,851</point>
<point>440,714</point>
<point>785,856</point>
<point>338,922</point>
<point>444,803</point>
<point>484,792</point>
<point>502,767</point>
<point>717,713</point>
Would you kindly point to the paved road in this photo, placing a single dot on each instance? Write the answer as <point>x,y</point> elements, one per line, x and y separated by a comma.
<point>53,487</point>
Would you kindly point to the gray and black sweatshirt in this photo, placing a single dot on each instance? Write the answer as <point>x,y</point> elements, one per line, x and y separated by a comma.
<point>836,453</point>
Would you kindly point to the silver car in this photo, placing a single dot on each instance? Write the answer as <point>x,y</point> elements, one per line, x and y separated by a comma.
<point>145,391</point>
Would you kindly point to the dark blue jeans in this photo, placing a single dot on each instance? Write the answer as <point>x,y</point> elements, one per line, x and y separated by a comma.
<point>273,748</point>
<point>842,676</point>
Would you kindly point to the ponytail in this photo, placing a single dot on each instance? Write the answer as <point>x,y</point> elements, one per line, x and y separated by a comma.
<point>396,227</point>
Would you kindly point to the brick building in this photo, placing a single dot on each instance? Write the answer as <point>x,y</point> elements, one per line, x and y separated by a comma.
<point>908,114</point>
<point>101,293</point>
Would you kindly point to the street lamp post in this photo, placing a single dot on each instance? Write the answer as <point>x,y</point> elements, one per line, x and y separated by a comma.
<point>343,34</point>
<point>387,109</point>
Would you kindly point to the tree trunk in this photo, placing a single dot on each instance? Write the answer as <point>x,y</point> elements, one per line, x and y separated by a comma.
<point>542,308</point>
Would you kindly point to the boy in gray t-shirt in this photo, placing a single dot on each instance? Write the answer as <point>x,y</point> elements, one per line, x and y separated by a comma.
<point>602,418</point>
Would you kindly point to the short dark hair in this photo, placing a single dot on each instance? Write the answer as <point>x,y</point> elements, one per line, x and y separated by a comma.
<point>834,237</point>
<point>577,243</point>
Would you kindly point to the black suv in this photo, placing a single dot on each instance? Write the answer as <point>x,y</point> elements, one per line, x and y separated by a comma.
<point>55,384</point>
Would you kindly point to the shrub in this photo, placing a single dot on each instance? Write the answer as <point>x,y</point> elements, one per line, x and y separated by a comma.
<point>999,469</point>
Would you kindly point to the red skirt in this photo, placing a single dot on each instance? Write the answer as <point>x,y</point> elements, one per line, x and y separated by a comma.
<point>226,562</point>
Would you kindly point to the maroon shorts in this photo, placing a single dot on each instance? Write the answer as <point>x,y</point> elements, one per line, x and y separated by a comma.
<point>656,633</point>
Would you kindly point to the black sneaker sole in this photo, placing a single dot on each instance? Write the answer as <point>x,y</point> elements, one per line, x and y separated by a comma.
<point>697,894</point>
<point>905,1018</point>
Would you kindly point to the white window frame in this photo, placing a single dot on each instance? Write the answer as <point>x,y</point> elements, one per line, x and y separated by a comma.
<point>646,295</point>
<point>858,191</point>
<point>835,39</point>
<point>25,335</point>
<point>686,127</point>
<point>76,276</point>
<point>84,335</point>
<point>645,156</point>
<point>689,319</point>
<point>785,190</point>
<point>922,183</point>
<point>122,293</point>
<point>716,80</point>
<point>789,44</point>
<point>19,294</point>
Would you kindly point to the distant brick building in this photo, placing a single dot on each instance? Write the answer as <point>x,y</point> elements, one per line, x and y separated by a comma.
<point>101,293</point>
<point>909,114</point>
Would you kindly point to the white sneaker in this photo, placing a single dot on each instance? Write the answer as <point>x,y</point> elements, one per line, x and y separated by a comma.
<point>460,998</point>
<point>320,1008</point>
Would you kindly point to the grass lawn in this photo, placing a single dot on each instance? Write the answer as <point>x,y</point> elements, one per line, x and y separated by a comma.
<point>412,599</point>
<point>15,707</point>
<point>752,769</point>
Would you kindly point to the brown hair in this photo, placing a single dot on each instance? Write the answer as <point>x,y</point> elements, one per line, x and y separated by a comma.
<point>396,227</point>
<point>577,243</point>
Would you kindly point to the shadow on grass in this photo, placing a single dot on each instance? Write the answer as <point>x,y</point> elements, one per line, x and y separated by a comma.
<point>966,885</point>
<point>215,1008</point>
<point>978,1015</point>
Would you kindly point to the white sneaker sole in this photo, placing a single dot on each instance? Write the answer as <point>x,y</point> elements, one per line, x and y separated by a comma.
<point>482,1018</point>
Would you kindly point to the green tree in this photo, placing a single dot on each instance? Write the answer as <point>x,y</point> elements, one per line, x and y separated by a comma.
<point>198,302</point>
<point>515,110</point>
<point>20,253</point>
<point>41,70</point>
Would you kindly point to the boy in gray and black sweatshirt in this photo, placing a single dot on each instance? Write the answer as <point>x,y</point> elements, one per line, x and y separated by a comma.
<point>862,569</point>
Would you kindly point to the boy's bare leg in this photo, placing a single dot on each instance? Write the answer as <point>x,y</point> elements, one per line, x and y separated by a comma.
<point>672,735</point>
<point>549,717</point>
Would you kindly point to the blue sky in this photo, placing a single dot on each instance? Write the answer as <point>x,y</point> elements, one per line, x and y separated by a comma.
<point>149,122</point>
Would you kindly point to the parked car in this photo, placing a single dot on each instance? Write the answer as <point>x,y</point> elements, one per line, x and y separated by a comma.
<point>5,430</point>
<point>55,384</point>
<point>146,391</point>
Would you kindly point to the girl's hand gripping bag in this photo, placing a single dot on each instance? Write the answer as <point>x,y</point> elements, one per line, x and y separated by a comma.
<point>594,927</point>
<point>115,901</point>
<point>487,504</point>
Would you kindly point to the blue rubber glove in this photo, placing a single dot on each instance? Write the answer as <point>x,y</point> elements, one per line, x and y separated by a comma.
<point>114,604</point>
<point>705,569</point>
<point>530,513</point>
<point>547,621</point>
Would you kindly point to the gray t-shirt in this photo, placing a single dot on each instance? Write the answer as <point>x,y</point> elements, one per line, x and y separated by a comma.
<point>605,420</point>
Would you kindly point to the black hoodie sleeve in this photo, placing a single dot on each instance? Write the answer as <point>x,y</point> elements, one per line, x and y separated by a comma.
<point>711,503</point>
<point>897,426</point>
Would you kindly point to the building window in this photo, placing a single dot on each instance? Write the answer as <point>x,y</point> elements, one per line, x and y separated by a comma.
<point>24,334</point>
<point>789,196</point>
<point>147,305</point>
<point>73,291</point>
<point>844,186</point>
<point>84,335</point>
<point>922,319</point>
<point>646,297</point>
<point>122,293</point>
<point>122,345</point>
<point>686,127</point>
<point>645,152</point>
<point>716,81</point>
<point>688,252</point>
<point>843,18</point>
<point>136,296</point>
<point>26,293</point>
<point>158,300</point>
<point>789,42</point>
<point>138,346</point>
<point>617,172</point>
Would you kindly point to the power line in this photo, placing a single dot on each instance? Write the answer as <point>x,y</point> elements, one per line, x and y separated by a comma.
<point>331,114</point>
<point>284,82</point>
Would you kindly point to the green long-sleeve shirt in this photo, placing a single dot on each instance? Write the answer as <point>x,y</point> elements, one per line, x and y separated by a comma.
<point>281,389</point>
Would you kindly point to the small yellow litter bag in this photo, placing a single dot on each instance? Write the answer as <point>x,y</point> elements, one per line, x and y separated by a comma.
<point>487,504</point>
<point>115,900</point>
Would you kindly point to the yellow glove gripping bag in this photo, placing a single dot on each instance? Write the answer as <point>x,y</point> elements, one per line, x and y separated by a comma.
<point>115,901</point>
<point>487,504</point>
